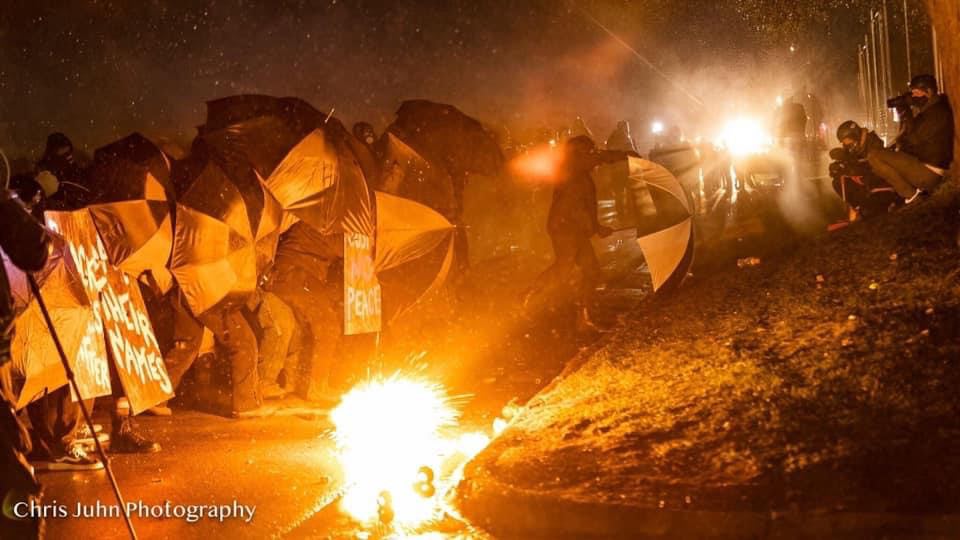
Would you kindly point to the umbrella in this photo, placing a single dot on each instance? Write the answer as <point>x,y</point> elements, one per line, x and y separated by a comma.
<point>447,137</point>
<point>414,250</point>
<point>132,209</point>
<point>636,193</point>
<point>214,257</point>
<point>407,174</point>
<point>33,351</point>
<point>313,167</point>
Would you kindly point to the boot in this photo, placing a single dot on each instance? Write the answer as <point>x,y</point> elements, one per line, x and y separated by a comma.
<point>126,438</point>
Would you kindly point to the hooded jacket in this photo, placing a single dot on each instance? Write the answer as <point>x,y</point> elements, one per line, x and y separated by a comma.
<point>930,138</point>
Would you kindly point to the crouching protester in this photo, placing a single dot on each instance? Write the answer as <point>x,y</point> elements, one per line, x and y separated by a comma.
<point>864,192</point>
<point>925,149</point>
<point>25,242</point>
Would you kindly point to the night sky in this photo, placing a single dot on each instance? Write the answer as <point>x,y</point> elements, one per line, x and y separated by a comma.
<point>101,69</point>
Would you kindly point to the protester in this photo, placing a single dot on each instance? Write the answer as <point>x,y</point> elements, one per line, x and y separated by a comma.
<point>571,223</point>
<point>620,139</point>
<point>61,174</point>
<point>305,276</point>
<point>25,242</point>
<point>925,150</point>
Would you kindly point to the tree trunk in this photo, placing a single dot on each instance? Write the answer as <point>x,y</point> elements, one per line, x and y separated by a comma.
<point>945,15</point>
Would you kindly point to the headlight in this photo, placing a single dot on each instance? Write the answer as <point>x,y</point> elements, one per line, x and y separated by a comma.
<point>745,136</point>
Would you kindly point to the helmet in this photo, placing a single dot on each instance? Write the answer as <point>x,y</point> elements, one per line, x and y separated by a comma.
<point>848,130</point>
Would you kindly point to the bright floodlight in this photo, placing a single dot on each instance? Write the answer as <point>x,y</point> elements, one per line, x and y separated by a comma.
<point>656,127</point>
<point>745,136</point>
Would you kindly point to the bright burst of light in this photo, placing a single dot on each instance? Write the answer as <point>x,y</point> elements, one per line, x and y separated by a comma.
<point>656,127</point>
<point>395,436</point>
<point>744,136</point>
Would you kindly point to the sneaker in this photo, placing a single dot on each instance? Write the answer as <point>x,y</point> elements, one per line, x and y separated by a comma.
<point>272,391</point>
<point>126,439</point>
<point>75,459</point>
<point>162,409</point>
<point>83,432</point>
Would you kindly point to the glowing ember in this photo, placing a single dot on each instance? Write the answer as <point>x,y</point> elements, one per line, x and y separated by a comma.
<point>398,451</point>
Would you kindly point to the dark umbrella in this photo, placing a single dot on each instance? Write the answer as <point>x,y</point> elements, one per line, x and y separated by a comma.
<point>214,257</point>
<point>407,174</point>
<point>132,208</point>
<point>448,137</point>
<point>314,168</point>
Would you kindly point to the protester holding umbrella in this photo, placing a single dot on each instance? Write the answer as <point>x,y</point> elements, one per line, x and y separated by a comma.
<point>24,240</point>
<point>571,223</point>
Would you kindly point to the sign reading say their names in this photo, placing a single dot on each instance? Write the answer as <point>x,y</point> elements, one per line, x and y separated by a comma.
<point>118,304</point>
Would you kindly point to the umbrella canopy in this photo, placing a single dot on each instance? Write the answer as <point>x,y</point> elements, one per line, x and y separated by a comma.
<point>313,167</point>
<point>414,250</point>
<point>447,137</point>
<point>33,352</point>
<point>636,193</point>
<point>407,174</point>
<point>132,209</point>
<point>214,257</point>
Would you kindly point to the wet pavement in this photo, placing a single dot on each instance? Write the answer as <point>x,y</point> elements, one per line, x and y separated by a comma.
<point>283,462</point>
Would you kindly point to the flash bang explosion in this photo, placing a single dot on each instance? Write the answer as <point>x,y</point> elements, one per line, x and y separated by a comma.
<point>400,450</point>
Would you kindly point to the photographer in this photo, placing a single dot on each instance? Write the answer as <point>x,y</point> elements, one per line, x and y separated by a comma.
<point>853,180</point>
<point>25,242</point>
<point>925,149</point>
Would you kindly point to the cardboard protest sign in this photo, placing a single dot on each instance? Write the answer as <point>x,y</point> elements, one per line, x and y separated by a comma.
<point>118,305</point>
<point>76,321</point>
<point>361,289</point>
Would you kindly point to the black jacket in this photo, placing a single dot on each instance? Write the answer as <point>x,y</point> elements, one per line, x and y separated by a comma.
<point>930,137</point>
<point>24,241</point>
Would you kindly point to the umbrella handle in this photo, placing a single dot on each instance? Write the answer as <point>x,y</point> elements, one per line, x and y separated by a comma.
<point>83,406</point>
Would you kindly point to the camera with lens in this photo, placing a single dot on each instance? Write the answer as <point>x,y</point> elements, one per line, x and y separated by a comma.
<point>901,102</point>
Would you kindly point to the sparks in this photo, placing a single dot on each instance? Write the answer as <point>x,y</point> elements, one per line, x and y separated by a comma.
<point>399,447</point>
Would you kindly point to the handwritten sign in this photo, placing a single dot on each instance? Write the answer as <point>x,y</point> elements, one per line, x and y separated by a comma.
<point>89,361</point>
<point>361,289</point>
<point>119,307</point>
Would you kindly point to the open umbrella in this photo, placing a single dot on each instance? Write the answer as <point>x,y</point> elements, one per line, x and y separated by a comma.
<point>132,209</point>
<point>214,258</point>
<point>447,137</point>
<point>407,174</point>
<point>636,193</point>
<point>314,168</point>
<point>33,352</point>
<point>414,250</point>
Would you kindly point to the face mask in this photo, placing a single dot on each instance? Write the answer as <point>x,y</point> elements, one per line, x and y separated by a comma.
<point>919,101</point>
<point>850,148</point>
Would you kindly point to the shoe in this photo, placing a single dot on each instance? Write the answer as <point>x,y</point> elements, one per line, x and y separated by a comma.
<point>272,391</point>
<point>76,459</point>
<point>126,439</point>
<point>161,409</point>
<point>83,432</point>
<point>84,437</point>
